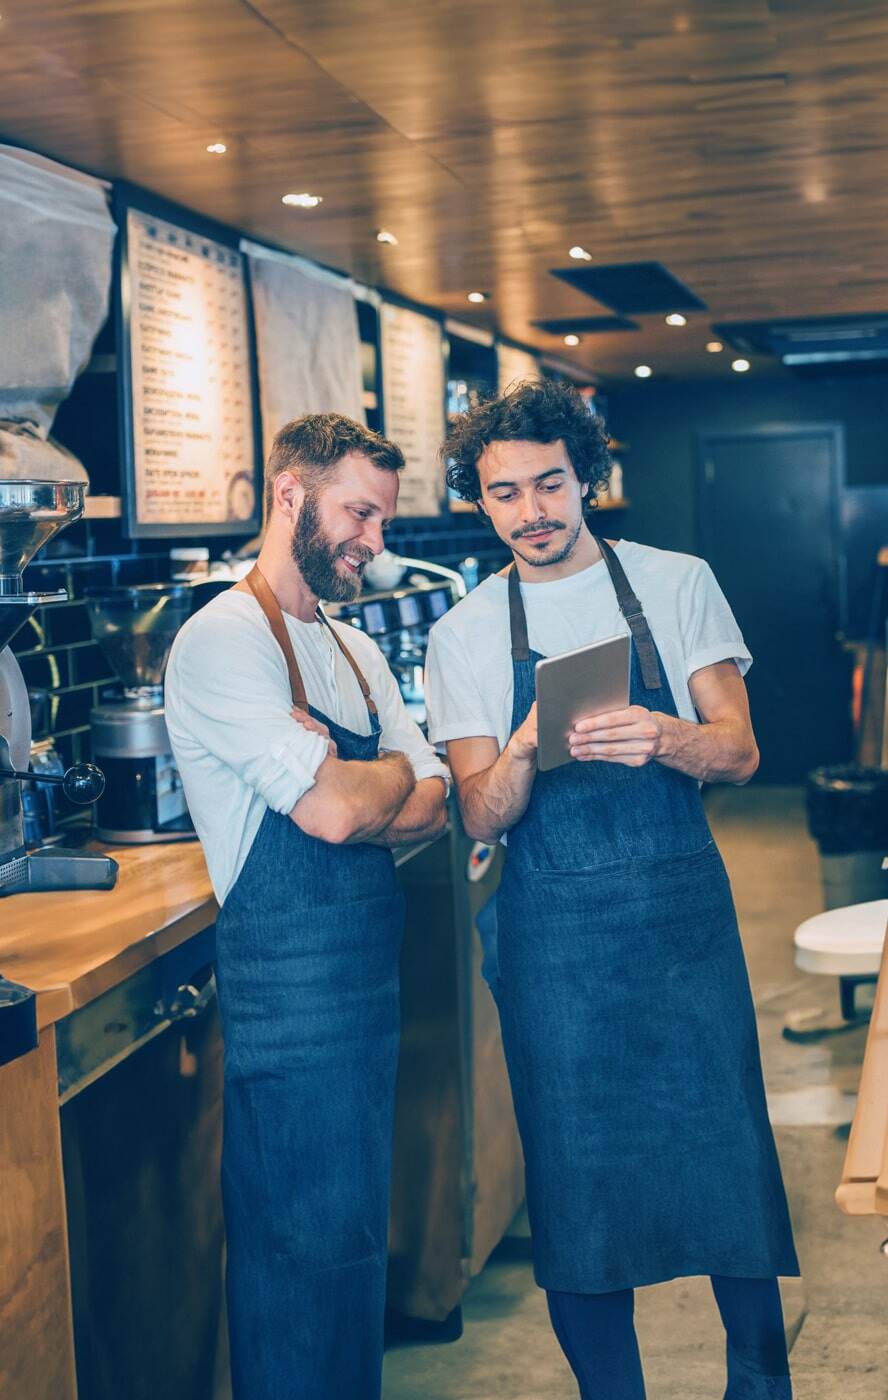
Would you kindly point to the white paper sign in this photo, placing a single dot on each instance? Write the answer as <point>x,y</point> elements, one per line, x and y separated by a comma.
<point>192,403</point>
<point>413,397</point>
<point>307,341</point>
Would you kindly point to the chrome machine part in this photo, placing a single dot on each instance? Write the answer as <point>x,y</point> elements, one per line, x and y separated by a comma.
<point>135,627</point>
<point>129,729</point>
<point>31,512</point>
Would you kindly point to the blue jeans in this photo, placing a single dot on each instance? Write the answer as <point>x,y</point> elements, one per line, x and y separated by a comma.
<point>597,1335</point>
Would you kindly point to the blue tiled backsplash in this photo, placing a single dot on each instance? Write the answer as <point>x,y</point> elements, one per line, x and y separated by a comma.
<point>66,671</point>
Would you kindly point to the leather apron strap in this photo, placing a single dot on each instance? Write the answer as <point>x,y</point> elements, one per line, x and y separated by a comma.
<point>631,609</point>
<point>629,605</point>
<point>359,674</point>
<point>264,596</point>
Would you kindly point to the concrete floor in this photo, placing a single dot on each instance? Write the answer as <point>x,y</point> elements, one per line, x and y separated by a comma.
<point>837,1315</point>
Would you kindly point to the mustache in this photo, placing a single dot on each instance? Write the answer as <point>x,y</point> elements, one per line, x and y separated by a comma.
<point>357,551</point>
<point>537,527</point>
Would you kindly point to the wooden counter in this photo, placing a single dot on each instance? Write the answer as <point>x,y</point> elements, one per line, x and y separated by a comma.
<point>72,946</point>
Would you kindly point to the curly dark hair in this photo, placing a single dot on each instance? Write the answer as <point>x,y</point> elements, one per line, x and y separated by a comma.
<point>543,411</point>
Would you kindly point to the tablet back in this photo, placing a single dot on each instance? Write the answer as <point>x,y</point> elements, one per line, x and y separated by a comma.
<point>589,681</point>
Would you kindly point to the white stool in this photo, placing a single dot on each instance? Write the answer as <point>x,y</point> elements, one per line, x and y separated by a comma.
<point>845,943</point>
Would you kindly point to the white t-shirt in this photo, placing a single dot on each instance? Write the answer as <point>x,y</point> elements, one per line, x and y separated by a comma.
<point>468,687</point>
<point>238,748</point>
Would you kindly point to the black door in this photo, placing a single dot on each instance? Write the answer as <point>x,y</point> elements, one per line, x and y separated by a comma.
<point>768,516</point>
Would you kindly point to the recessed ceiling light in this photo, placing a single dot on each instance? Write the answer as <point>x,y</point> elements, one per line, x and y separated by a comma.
<point>477,296</point>
<point>571,340</point>
<point>217,148</point>
<point>741,366</point>
<point>675,318</point>
<point>302,201</point>
<point>643,371</point>
<point>579,253</point>
<point>714,347</point>
<point>383,236</point>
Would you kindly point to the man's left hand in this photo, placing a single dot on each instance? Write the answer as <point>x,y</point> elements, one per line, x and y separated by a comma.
<point>633,736</point>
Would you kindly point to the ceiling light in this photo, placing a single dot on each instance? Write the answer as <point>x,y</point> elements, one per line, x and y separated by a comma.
<point>217,148</point>
<point>580,254</point>
<point>643,371</point>
<point>302,201</point>
<point>383,236</point>
<point>477,296</point>
<point>675,318</point>
<point>714,347</point>
<point>741,366</point>
<point>571,340</point>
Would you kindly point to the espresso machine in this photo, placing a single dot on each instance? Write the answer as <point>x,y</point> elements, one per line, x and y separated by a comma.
<point>31,512</point>
<point>143,800</point>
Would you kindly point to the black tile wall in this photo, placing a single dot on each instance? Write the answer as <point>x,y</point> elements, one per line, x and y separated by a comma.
<point>66,672</point>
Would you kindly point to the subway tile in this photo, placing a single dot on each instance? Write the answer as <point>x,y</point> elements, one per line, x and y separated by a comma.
<point>91,573</point>
<point>67,622</point>
<point>89,663</point>
<point>71,708</point>
<point>138,569</point>
<point>31,634</point>
<point>49,670</point>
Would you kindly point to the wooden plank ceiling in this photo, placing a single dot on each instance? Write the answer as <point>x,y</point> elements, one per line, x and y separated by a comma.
<point>740,142</point>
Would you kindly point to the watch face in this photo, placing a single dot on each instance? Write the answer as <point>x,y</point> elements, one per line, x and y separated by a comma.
<point>241,497</point>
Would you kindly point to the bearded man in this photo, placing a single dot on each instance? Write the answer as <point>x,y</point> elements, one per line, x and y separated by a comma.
<point>302,769</point>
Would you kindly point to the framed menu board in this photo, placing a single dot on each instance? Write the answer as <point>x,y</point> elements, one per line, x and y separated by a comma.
<point>189,422</point>
<point>413,389</point>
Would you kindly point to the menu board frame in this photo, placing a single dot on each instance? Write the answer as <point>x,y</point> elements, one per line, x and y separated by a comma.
<point>390,298</point>
<point>127,198</point>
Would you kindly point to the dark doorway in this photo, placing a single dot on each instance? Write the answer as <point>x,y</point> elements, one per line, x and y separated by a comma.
<point>769,528</point>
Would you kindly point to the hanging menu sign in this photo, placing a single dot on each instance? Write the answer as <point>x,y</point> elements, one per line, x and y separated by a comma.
<point>192,467</point>
<point>413,399</point>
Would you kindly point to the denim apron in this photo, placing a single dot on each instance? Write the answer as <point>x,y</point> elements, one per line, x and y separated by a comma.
<point>308,942</point>
<point>627,1018</point>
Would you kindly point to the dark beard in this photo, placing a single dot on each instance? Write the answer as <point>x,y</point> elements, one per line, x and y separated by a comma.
<point>316,558</point>
<point>537,561</point>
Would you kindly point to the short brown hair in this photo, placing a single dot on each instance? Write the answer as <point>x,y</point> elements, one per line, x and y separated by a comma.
<point>313,445</point>
<point>529,412</point>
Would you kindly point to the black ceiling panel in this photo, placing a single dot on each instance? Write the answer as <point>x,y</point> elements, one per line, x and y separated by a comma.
<point>587,325</point>
<point>816,345</point>
<point>631,287</point>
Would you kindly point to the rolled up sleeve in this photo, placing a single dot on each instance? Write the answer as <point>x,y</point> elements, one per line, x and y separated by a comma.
<point>227,694</point>
<point>710,632</point>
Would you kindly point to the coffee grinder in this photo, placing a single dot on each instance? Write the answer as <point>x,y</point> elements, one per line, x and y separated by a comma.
<point>143,800</point>
<point>31,512</point>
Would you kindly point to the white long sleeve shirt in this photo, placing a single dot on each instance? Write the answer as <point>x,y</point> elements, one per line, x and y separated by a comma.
<point>228,713</point>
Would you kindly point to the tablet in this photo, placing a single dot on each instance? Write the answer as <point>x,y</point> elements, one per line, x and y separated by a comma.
<point>576,685</point>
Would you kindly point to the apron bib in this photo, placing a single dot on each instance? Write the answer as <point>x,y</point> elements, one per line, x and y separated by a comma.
<point>308,943</point>
<point>627,1018</point>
